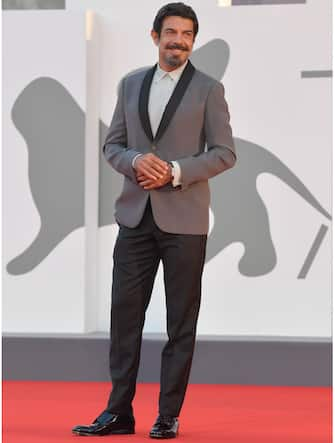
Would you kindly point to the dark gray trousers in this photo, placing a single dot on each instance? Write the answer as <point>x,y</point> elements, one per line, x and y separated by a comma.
<point>137,254</point>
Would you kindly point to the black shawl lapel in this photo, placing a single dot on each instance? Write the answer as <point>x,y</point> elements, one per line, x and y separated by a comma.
<point>144,101</point>
<point>175,99</point>
<point>172,105</point>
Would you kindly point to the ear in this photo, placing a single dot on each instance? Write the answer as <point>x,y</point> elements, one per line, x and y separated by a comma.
<point>155,37</point>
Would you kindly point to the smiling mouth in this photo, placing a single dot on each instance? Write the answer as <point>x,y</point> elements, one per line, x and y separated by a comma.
<point>177,49</point>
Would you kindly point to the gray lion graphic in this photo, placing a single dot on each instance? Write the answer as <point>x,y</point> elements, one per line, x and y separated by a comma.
<point>53,127</point>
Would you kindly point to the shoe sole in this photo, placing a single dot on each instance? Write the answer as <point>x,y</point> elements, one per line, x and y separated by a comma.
<point>118,432</point>
<point>162,437</point>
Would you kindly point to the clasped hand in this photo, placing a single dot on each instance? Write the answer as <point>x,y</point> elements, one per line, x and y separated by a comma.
<point>152,172</point>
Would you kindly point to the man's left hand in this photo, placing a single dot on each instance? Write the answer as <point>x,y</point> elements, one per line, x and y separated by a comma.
<point>148,183</point>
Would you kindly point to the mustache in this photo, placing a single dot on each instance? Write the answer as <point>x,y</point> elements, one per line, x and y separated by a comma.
<point>176,46</point>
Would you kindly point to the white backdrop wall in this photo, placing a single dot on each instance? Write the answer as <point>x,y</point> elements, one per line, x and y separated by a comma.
<point>43,283</point>
<point>271,105</point>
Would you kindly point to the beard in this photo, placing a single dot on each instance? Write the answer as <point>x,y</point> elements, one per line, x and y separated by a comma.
<point>173,60</point>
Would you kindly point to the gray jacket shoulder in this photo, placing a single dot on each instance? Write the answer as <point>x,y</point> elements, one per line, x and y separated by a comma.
<point>136,74</point>
<point>133,76</point>
<point>206,80</point>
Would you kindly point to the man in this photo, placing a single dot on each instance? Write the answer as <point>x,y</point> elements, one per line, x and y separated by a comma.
<point>163,120</point>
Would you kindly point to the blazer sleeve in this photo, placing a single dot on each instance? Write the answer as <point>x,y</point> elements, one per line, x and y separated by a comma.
<point>220,154</point>
<point>115,148</point>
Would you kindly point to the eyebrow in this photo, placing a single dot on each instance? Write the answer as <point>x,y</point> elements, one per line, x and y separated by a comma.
<point>171,29</point>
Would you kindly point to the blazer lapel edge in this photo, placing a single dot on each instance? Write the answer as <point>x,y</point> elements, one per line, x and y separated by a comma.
<point>175,99</point>
<point>143,102</point>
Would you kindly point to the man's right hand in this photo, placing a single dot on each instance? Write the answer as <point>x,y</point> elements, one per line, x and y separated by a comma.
<point>151,166</point>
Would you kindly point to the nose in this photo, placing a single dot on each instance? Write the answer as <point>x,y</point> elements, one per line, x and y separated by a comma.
<point>178,38</point>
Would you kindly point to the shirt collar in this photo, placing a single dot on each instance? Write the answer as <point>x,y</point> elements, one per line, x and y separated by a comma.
<point>174,75</point>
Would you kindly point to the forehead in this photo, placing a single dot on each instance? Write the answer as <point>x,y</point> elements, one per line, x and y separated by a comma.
<point>175,22</point>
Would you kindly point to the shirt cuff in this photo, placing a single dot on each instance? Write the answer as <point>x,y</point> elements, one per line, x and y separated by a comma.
<point>176,174</point>
<point>134,159</point>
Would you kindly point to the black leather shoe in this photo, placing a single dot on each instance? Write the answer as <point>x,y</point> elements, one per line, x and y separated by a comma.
<point>107,423</point>
<point>165,427</point>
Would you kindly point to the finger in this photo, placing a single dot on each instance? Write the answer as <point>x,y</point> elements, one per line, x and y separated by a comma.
<point>141,177</point>
<point>160,168</point>
<point>149,173</point>
<point>154,158</point>
<point>155,163</point>
<point>147,183</point>
<point>143,168</point>
<point>151,165</point>
<point>156,184</point>
<point>153,185</point>
<point>162,163</point>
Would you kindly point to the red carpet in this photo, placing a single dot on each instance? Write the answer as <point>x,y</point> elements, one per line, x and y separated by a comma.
<point>43,412</point>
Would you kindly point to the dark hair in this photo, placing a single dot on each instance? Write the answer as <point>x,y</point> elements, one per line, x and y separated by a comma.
<point>175,9</point>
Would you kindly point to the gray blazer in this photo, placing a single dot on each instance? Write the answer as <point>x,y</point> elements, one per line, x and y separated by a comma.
<point>194,130</point>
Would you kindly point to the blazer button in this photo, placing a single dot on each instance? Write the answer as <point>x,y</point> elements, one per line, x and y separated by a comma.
<point>153,147</point>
